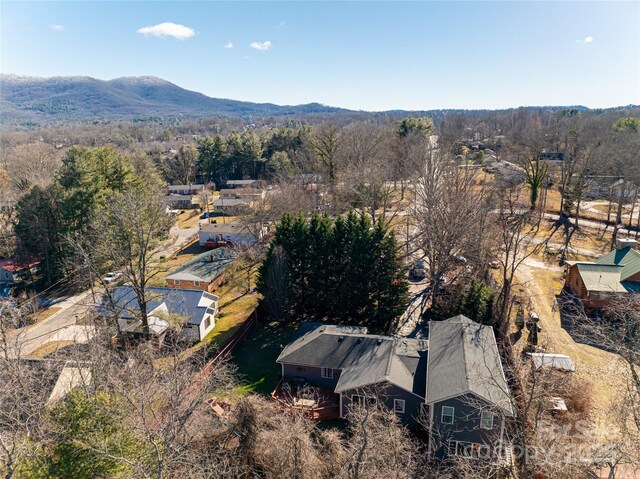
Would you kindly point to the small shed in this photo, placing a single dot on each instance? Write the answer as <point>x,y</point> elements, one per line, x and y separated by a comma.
<point>559,362</point>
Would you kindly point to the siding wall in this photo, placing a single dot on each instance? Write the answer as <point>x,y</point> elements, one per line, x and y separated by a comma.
<point>413,405</point>
<point>204,286</point>
<point>466,424</point>
<point>312,375</point>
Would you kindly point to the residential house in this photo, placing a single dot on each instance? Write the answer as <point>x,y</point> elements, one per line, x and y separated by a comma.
<point>467,397</point>
<point>597,283</point>
<point>241,184</point>
<point>205,272</point>
<point>232,206</point>
<point>235,233</point>
<point>453,384</point>
<point>185,189</point>
<point>196,309</point>
<point>250,194</point>
<point>609,187</point>
<point>14,272</point>
<point>181,202</point>
<point>349,365</point>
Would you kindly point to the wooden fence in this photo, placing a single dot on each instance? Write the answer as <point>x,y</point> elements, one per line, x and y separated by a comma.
<point>233,342</point>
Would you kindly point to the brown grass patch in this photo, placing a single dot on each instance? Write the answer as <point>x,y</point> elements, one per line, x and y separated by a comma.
<point>50,348</point>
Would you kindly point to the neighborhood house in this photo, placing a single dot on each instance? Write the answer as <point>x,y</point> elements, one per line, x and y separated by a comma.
<point>14,272</point>
<point>236,233</point>
<point>597,283</point>
<point>232,206</point>
<point>453,383</point>
<point>205,272</point>
<point>196,310</point>
<point>185,189</point>
<point>242,184</point>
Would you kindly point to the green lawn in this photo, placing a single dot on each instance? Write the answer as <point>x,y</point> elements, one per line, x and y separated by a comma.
<point>256,358</point>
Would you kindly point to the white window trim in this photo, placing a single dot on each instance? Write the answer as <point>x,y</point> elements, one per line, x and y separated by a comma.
<point>353,396</point>
<point>398,406</point>
<point>453,415</point>
<point>326,373</point>
<point>196,283</point>
<point>176,282</point>
<point>482,417</point>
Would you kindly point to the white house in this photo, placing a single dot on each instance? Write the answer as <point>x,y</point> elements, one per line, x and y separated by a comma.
<point>235,233</point>
<point>197,308</point>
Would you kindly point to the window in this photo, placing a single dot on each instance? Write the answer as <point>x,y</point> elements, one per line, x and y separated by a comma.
<point>358,400</point>
<point>176,282</point>
<point>207,322</point>
<point>196,283</point>
<point>326,373</point>
<point>486,420</point>
<point>398,406</point>
<point>447,415</point>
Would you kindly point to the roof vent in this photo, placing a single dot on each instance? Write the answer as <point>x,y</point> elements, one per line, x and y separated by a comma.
<point>622,243</point>
<point>379,341</point>
<point>340,338</point>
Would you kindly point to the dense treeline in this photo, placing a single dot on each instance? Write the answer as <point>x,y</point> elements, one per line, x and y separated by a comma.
<point>342,270</point>
<point>50,219</point>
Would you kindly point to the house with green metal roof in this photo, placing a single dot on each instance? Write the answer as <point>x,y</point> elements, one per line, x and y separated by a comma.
<point>205,272</point>
<point>600,282</point>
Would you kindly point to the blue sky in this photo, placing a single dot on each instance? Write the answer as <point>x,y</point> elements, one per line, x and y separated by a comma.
<point>361,55</point>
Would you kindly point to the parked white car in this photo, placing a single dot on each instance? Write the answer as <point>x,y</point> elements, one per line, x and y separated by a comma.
<point>111,277</point>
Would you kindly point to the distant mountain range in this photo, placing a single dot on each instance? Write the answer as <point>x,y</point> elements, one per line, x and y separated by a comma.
<point>34,100</point>
<point>25,99</point>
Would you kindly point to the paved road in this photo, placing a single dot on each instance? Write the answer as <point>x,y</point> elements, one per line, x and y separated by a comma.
<point>60,326</point>
<point>410,325</point>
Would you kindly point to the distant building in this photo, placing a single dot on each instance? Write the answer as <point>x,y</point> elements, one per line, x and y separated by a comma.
<point>14,272</point>
<point>232,206</point>
<point>205,272</point>
<point>598,283</point>
<point>185,189</point>
<point>242,183</point>
<point>180,202</point>
<point>249,194</point>
<point>235,233</point>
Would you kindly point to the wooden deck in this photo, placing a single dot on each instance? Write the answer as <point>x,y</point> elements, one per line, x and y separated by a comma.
<point>315,403</point>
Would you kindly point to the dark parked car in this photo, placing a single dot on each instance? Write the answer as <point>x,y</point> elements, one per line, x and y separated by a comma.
<point>206,215</point>
<point>418,271</point>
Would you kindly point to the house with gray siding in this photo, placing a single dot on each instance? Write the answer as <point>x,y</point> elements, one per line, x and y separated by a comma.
<point>453,383</point>
<point>467,395</point>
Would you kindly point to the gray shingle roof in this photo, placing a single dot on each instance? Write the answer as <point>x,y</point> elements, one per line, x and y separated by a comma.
<point>204,267</point>
<point>464,358</point>
<point>182,302</point>
<point>363,359</point>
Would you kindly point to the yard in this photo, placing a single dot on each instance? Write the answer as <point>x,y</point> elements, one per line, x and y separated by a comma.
<point>598,369</point>
<point>256,358</point>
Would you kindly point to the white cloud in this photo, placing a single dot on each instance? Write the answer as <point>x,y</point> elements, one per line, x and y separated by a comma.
<point>229,44</point>
<point>262,46</point>
<point>56,28</point>
<point>586,40</point>
<point>168,29</point>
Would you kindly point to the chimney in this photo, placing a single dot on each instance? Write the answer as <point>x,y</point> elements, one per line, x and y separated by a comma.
<point>211,258</point>
<point>622,243</point>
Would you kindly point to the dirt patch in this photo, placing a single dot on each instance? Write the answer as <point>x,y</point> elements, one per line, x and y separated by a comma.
<point>601,370</point>
<point>49,348</point>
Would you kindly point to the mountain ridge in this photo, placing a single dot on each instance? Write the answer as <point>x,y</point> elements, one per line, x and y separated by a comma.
<point>32,99</point>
